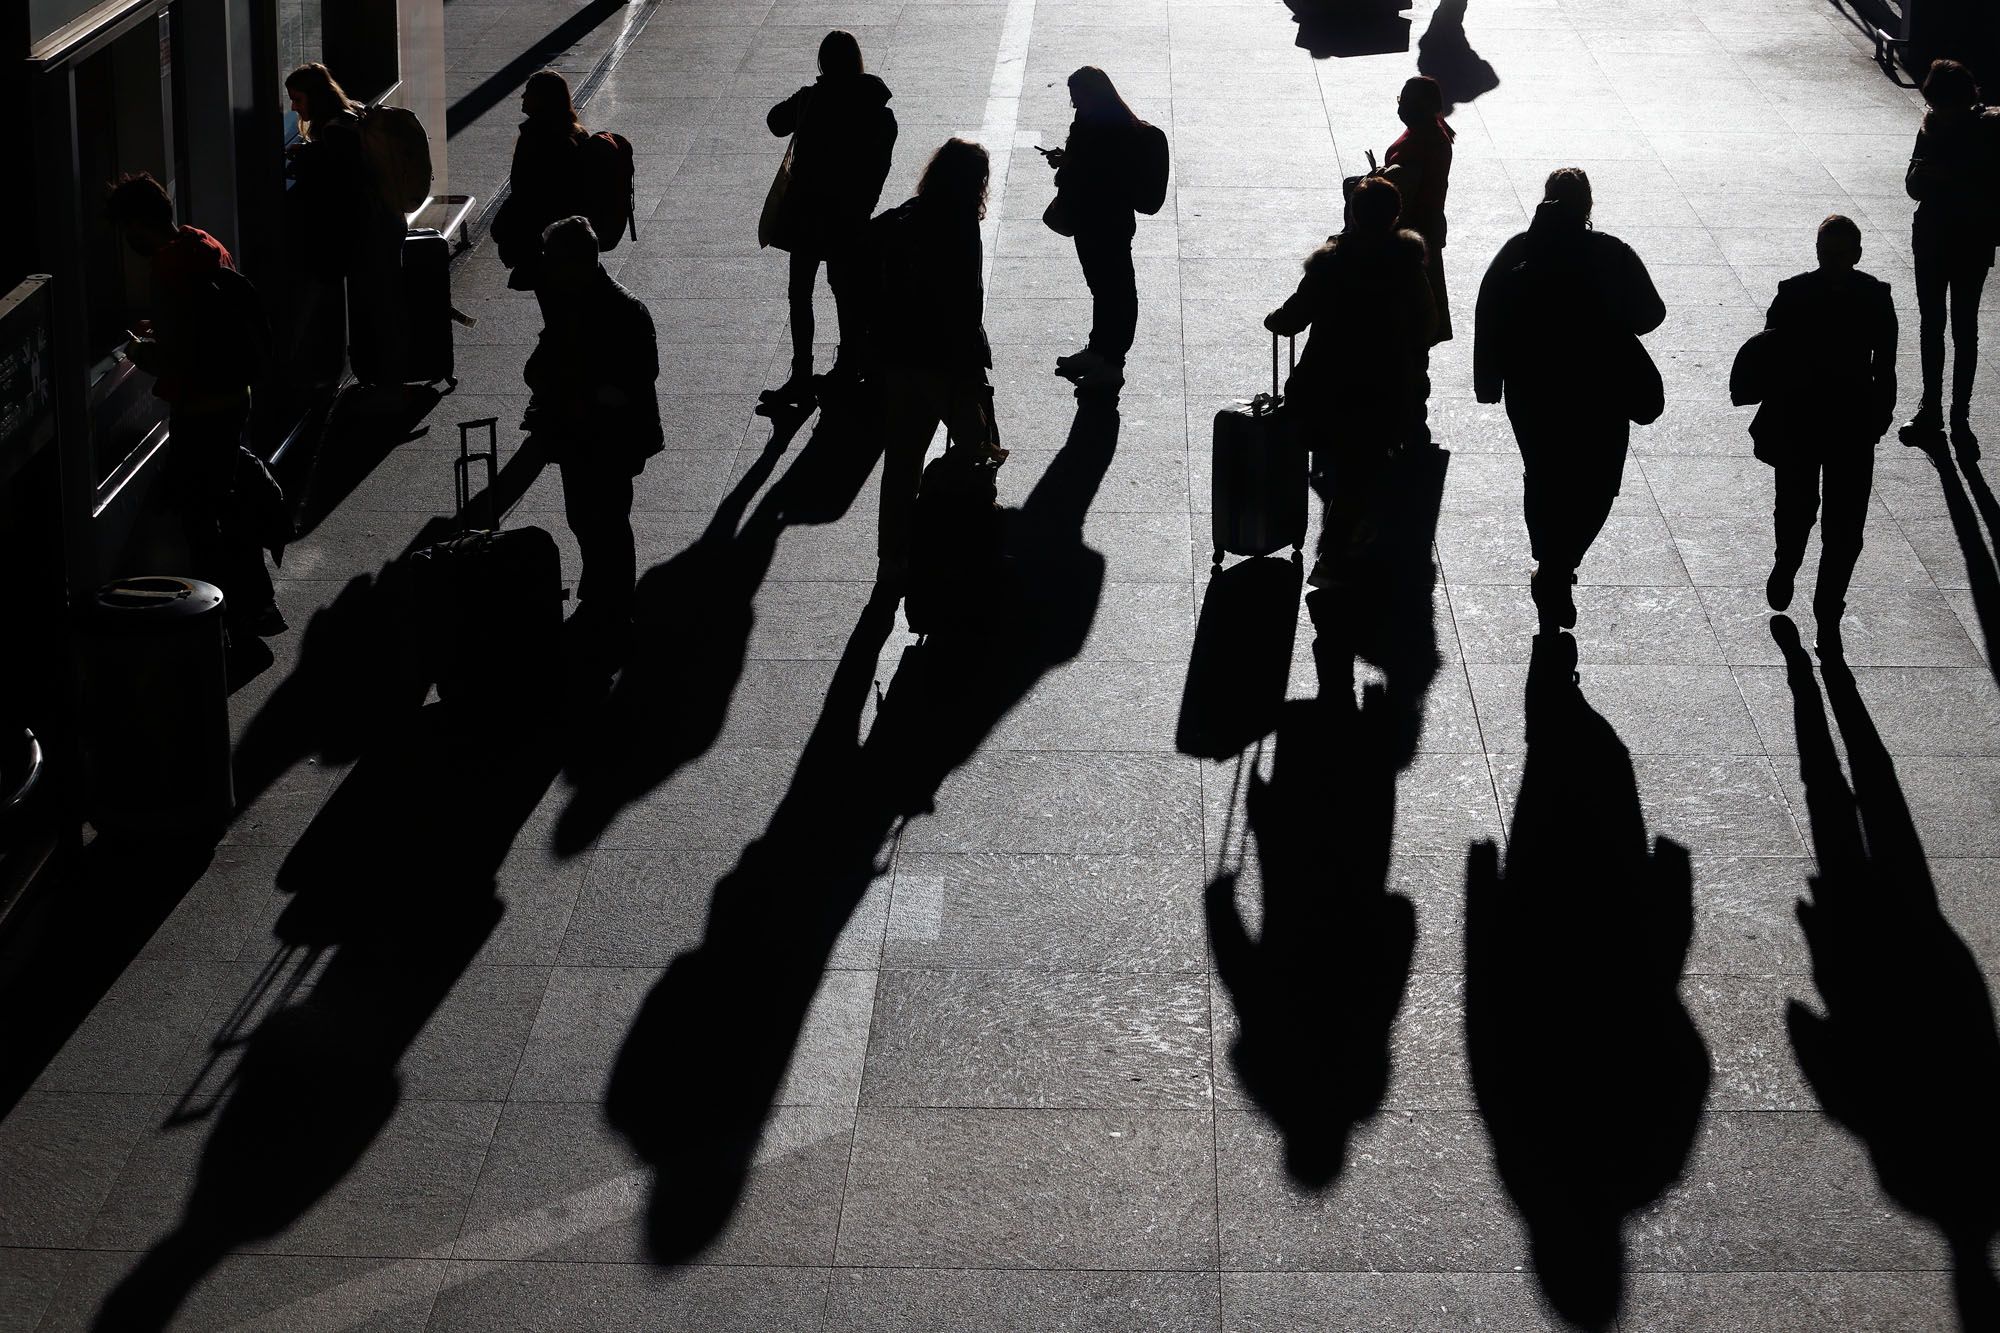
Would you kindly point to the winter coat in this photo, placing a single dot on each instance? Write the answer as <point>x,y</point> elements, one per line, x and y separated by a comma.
<point>600,339</point>
<point>542,186</point>
<point>930,315</point>
<point>1954,175</point>
<point>1833,369</point>
<point>1421,158</point>
<point>332,195</point>
<point>845,134</point>
<point>1368,303</point>
<point>1094,180</point>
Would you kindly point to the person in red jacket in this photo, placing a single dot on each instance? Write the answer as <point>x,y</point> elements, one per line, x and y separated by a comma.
<point>194,352</point>
<point>1419,165</point>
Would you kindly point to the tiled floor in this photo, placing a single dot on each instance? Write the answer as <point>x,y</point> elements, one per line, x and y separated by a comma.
<point>830,984</point>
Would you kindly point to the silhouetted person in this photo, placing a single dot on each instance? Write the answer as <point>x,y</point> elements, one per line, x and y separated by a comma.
<point>1094,174</point>
<point>845,134</point>
<point>1835,354</point>
<point>1902,1050</point>
<point>1954,176</point>
<point>1418,163</point>
<point>1586,1067</point>
<point>1367,300</point>
<point>329,206</point>
<point>930,334</point>
<point>1553,309</point>
<point>195,346</point>
<point>543,184</point>
<point>592,374</point>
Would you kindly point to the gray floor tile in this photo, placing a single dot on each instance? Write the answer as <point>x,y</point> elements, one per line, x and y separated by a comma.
<point>1417,1302</point>
<point>268,1291</point>
<point>1653,709</point>
<point>1789,1302</point>
<point>1023,801</point>
<point>886,1300</point>
<point>1036,1189</point>
<point>548,1298</point>
<point>28,1281</point>
<point>1649,627</point>
<point>1883,627</point>
<point>62,1154</point>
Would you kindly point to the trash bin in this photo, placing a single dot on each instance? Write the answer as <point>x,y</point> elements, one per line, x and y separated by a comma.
<point>155,699</point>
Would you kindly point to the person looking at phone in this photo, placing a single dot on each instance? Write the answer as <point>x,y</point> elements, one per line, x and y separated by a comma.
<point>1094,206</point>
<point>1418,163</point>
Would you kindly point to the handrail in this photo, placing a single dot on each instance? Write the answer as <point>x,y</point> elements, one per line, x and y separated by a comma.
<point>27,786</point>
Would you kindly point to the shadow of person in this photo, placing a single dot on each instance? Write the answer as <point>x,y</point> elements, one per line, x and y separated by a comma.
<point>393,886</point>
<point>710,1048</point>
<point>692,620</point>
<point>1316,993</point>
<point>1444,53</point>
<point>1902,1051</point>
<point>1586,1068</point>
<point>360,430</point>
<point>1977,543</point>
<point>1330,29</point>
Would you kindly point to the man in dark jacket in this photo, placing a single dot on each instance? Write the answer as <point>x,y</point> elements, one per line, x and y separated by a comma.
<point>1832,396</point>
<point>592,374</point>
<point>1554,332</point>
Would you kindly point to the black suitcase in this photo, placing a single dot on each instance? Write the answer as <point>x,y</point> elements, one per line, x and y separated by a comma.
<point>957,540</point>
<point>490,602</point>
<point>1258,471</point>
<point>427,313</point>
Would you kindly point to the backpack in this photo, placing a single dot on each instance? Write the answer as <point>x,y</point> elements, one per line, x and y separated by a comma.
<point>399,156</point>
<point>606,175</point>
<point>1149,169</point>
<point>232,333</point>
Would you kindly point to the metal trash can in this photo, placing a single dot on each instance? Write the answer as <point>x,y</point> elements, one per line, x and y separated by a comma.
<point>155,697</point>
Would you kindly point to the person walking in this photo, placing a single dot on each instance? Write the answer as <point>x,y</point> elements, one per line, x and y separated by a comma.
<point>1367,299</point>
<point>1954,175</point>
<point>542,184</point>
<point>1418,163</point>
<point>328,208</point>
<point>199,346</point>
<point>1094,202</point>
<point>595,410</point>
<point>1831,337</point>
<point>843,137</point>
<point>1556,334</point>
<point>930,337</point>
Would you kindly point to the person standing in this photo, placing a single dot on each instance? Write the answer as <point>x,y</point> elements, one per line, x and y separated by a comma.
<point>1367,300</point>
<point>844,135</point>
<point>1094,196</point>
<point>596,412</point>
<point>1418,163</point>
<point>328,206</point>
<point>542,183</point>
<point>198,347</point>
<point>1559,309</point>
<point>930,335</point>
<point>1954,175</point>
<point>1832,395</point>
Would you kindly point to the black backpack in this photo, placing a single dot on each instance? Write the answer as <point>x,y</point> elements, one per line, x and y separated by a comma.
<point>1149,167</point>
<point>232,334</point>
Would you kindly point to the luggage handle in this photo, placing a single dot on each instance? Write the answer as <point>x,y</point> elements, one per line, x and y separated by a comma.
<point>461,469</point>
<point>1291,361</point>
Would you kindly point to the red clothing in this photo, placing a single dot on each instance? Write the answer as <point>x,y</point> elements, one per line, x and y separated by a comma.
<point>1423,152</point>
<point>181,268</point>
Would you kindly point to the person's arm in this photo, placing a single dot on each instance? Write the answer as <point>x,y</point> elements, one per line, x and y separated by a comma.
<point>1883,357</point>
<point>1639,300</point>
<point>783,118</point>
<point>1422,304</point>
<point>1490,321</point>
<point>1295,316</point>
<point>1922,173</point>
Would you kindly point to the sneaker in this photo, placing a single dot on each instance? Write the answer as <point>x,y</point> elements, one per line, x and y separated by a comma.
<point>1826,635</point>
<point>1778,588</point>
<point>1076,363</point>
<point>794,392</point>
<point>1923,429</point>
<point>1962,438</point>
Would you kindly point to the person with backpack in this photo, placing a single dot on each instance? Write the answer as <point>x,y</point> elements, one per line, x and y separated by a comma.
<point>1954,175</point>
<point>1556,334</point>
<point>1418,163</point>
<point>1366,297</point>
<point>596,412</point>
<point>930,337</point>
<point>1830,342</point>
<point>202,346</point>
<point>843,135</point>
<point>328,206</point>
<point>542,183</point>
<point>1111,164</point>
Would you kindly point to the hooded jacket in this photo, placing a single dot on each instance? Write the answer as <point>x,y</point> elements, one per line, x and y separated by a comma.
<point>844,136</point>
<point>1368,303</point>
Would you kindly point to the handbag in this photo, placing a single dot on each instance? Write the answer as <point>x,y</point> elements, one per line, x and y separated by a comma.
<point>1642,393</point>
<point>1750,373</point>
<point>770,222</point>
<point>1056,217</point>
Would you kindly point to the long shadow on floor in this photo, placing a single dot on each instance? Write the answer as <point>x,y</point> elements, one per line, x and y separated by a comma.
<point>495,88</point>
<point>1903,1051</point>
<point>1588,1071</point>
<point>394,893</point>
<point>693,618</point>
<point>1444,53</point>
<point>1317,991</point>
<point>1342,28</point>
<point>1982,572</point>
<point>707,1055</point>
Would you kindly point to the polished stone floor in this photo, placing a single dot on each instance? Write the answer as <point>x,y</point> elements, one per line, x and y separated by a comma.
<point>1126,1006</point>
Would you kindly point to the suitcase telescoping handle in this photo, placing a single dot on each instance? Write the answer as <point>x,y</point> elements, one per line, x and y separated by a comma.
<point>1291,361</point>
<point>461,468</point>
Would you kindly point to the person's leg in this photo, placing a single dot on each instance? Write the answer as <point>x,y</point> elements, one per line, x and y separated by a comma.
<point>1968,280</point>
<point>597,503</point>
<point>913,408</point>
<point>201,460</point>
<point>1932,275</point>
<point>1847,477</point>
<point>799,290</point>
<point>1792,513</point>
<point>1119,284</point>
<point>849,309</point>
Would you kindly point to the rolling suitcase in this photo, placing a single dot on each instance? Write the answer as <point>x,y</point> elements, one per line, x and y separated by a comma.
<point>1258,473</point>
<point>427,312</point>
<point>491,601</point>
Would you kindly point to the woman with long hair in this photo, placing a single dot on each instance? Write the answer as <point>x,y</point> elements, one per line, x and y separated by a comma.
<point>1418,163</point>
<point>329,208</point>
<point>843,134</point>
<point>930,334</point>
<point>542,184</point>
<point>1094,198</point>
<point>1954,176</point>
